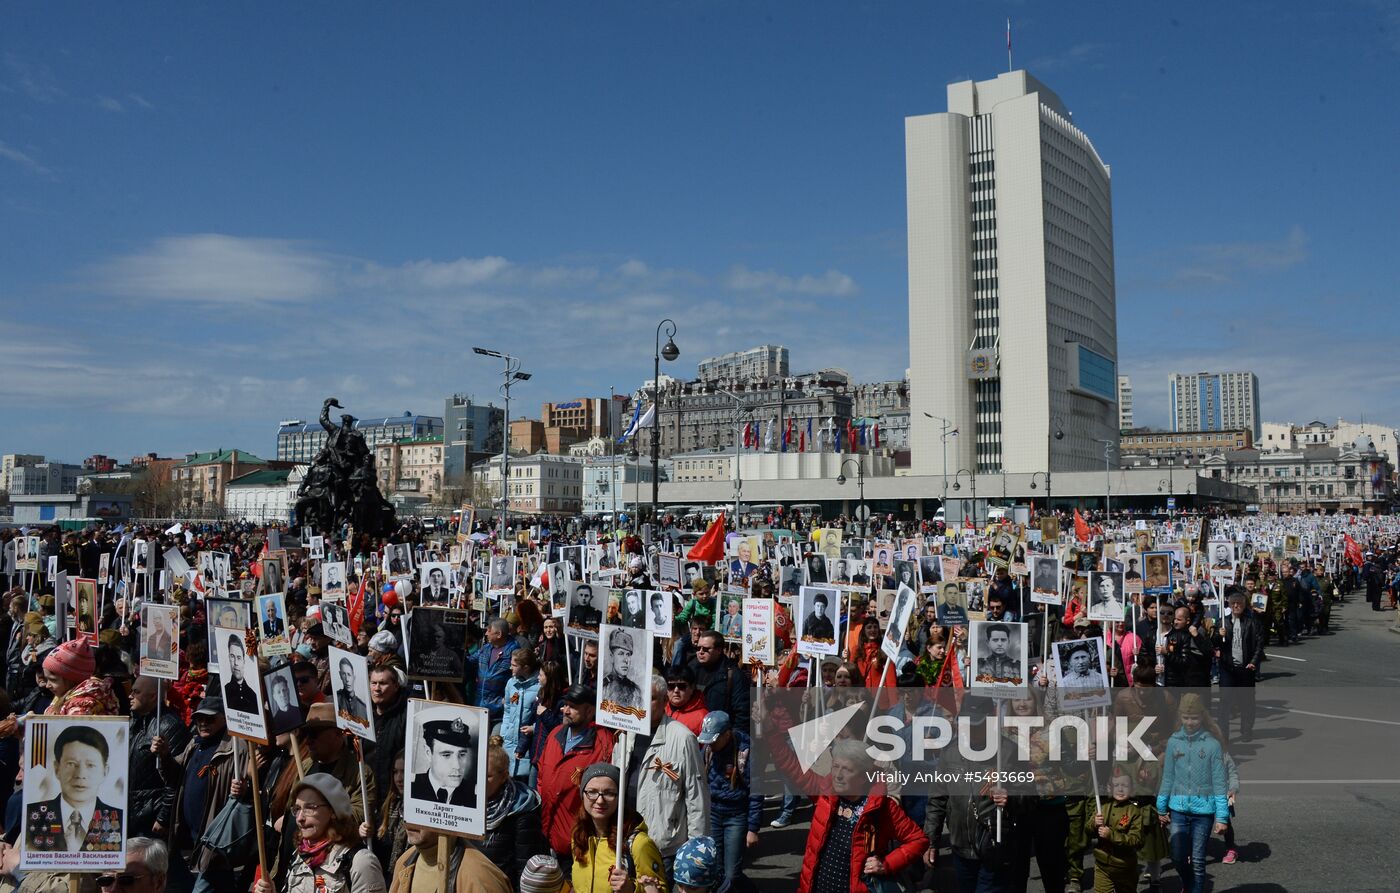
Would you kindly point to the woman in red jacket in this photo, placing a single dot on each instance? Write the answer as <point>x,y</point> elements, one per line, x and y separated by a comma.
<point>857,832</point>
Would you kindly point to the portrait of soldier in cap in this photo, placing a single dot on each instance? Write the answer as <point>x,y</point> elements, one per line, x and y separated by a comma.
<point>620,692</point>
<point>817,635</point>
<point>450,776</point>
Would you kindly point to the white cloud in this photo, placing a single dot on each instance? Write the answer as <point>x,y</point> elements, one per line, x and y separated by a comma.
<point>464,272</point>
<point>23,159</point>
<point>832,282</point>
<point>218,269</point>
<point>34,81</point>
<point>1223,262</point>
<point>107,103</point>
<point>138,99</point>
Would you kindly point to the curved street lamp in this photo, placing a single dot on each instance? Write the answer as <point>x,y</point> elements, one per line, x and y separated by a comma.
<point>860,483</point>
<point>957,485</point>
<point>670,352</point>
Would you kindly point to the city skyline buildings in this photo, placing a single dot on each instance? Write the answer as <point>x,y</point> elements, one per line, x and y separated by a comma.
<point>1214,401</point>
<point>1214,259</point>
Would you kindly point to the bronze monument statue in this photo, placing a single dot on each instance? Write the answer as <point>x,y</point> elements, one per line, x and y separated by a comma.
<point>341,485</point>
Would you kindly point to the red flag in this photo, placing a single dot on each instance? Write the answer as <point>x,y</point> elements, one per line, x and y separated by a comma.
<point>802,440</point>
<point>1353,550</point>
<point>256,569</point>
<point>1081,528</point>
<point>875,435</point>
<point>357,605</point>
<point>709,547</point>
<point>851,433</point>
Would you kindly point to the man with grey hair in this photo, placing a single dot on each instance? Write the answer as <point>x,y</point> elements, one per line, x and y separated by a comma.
<point>666,778</point>
<point>493,668</point>
<point>147,868</point>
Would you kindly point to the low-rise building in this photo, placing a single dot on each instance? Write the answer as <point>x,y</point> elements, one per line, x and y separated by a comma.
<point>44,479</point>
<point>202,478</point>
<point>1353,477</point>
<point>615,483</point>
<point>1184,444</point>
<point>264,496</point>
<point>10,461</point>
<point>411,470</point>
<point>51,508</point>
<point>538,484</point>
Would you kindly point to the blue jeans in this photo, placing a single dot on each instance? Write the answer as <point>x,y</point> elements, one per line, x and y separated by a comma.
<point>730,831</point>
<point>1189,834</point>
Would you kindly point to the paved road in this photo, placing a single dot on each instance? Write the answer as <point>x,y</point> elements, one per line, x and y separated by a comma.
<point>1292,837</point>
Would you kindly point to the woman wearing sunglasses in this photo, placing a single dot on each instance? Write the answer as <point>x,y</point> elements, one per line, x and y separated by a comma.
<point>329,857</point>
<point>595,841</point>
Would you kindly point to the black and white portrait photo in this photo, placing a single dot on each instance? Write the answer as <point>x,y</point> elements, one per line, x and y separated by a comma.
<point>350,692</point>
<point>1222,556</point>
<point>930,572</point>
<point>335,622</point>
<point>900,614</point>
<point>1081,675</point>
<point>436,643</point>
<point>241,687</point>
<point>501,573</point>
<point>660,605</point>
<point>75,787</point>
<point>229,613</point>
<point>585,612</point>
<point>818,608</point>
<point>284,713</point>
<point>445,767</point>
<point>1106,602</point>
<point>435,583</point>
<point>398,559</point>
<point>815,568</point>
<point>332,579</point>
<point>951,604</point>
<point>906,573</point>
<point>1045,579</point>
<point>317,548</point>
<point>558,588</point>
<point>632,608</point>
<point>140,557</point>
<point>998,656</point>
<point>624,679</point>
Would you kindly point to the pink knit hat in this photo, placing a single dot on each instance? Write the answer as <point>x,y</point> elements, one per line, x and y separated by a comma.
<point>73,660</point>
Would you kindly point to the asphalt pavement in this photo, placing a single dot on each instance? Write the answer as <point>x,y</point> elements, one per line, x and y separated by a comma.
<point>1320,796</point>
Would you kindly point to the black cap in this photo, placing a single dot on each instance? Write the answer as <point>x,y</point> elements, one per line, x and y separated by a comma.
<point>454,732</point>
<point>212,705</point>
<point>579,693</point>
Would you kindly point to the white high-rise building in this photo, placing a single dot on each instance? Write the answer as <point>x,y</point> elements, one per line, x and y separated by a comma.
<point>1125,403</point>
<point>1215,401</point>
<point>1013,330</point>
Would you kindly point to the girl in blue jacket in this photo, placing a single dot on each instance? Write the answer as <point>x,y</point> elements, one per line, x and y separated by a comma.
<point>1193,798</point>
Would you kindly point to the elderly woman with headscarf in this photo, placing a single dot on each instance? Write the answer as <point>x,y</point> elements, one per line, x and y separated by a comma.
<point>329,857</point>
<point>70,674</point>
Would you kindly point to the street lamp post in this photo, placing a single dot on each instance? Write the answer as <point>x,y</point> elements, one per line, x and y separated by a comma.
<point>512,374</point>
<point>1107,479</point>
<point>739,412</point>
<point>670,352</point>
<point>860,484</point>
<point>946,431</point>
<point>1057,431</point>
<point>957,485</point>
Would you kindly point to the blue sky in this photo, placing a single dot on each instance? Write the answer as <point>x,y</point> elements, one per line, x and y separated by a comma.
<point>215,215</point>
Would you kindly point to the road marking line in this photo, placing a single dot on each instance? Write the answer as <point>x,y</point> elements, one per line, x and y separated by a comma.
<point>1301,660</point>
<point>1382,722</point>
<point>1320,781</point>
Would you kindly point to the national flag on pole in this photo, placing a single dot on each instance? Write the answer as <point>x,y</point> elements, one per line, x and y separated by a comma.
<point>1008,35</point>
<point>862,432</point>
<point>638,421</point>
<point>851,433</point>
<point>1081,527</point>
<point>709,547</point>
<point>767,434</point>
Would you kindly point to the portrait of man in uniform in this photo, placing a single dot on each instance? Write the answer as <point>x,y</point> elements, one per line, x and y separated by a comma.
<point>449,776</point>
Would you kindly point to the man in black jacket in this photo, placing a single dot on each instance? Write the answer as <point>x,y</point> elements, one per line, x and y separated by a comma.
<point>1187,661</point>
<point>151,799</point>
<point>1239,647</point>
<point>725,684</point>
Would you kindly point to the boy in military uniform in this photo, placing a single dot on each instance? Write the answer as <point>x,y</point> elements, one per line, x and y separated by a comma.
<point>76,820</point>
<point>1118,832</point>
